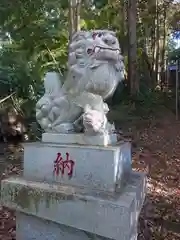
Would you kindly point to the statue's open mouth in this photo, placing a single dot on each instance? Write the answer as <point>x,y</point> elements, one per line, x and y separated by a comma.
<point>106,53</point>
<point>100,49</point>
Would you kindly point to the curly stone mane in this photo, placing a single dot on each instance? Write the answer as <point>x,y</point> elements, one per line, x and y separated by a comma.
<point>94,63</point>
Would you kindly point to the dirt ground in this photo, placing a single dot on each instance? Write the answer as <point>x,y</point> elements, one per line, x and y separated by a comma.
<point>156,150</point>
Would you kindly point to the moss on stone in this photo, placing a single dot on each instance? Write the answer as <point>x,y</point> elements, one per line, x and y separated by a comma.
<point>26,197</point>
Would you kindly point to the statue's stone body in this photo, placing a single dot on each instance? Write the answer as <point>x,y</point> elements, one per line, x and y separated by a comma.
<point>95,69</point>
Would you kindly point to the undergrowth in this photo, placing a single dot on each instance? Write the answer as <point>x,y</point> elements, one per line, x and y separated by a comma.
<point>146,104</point>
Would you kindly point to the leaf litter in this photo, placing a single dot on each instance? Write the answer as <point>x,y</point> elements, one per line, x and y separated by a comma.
<point>157,152</point>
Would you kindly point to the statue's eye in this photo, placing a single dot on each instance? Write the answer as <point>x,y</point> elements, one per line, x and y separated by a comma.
<point>89,51</point>
<point>106,41</point>
<point>94,35</point>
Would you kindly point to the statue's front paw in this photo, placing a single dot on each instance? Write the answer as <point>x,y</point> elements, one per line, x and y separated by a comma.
<point>63,128</point>
<point>94,121</point>
<point>45,124</point>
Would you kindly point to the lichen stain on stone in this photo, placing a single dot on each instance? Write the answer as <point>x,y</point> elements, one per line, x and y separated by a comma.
<point>25,197</point>
<point>21,197</point>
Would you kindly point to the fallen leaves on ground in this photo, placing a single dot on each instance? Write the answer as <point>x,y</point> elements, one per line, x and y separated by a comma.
<point>7,225</point>
<point>10,164</point>
<point>156,151</point>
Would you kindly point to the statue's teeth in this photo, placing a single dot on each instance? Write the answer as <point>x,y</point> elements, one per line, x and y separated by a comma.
<point>97,49</point>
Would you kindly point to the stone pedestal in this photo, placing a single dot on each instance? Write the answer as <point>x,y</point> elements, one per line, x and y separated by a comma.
<point>79,138</point>
<point>71,191</point>
<point>103,168</point>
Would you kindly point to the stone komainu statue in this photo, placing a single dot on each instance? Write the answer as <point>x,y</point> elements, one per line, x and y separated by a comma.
<point>95,67</point>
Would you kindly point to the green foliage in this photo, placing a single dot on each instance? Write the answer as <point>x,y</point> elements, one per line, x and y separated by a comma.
<point>171,44</point>
<point>100,3</point>
<point>145,104</point>
<point>174,55</point>
<point>37,44</point>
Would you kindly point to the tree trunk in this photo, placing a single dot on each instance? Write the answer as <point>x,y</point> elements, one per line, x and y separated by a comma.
<point>132,48</point>
<point>71,20</point>
<point>74,17</point>
<point>124,25</point>
<point>157,47</point>
<point>77,16</point>
<point>164,44</point>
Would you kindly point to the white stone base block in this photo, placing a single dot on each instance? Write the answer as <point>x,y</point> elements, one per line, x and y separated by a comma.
<point>80,138</point>
<point>32,228</point>
<point>103,168</point>
<point>114,217</point>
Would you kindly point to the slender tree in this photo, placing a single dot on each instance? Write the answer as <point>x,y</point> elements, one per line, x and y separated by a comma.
<point>74,17</point>
<point>132,48</point>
